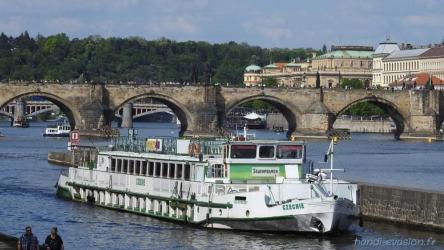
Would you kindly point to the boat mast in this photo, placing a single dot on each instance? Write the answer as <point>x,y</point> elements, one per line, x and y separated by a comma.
<point>331,166</point>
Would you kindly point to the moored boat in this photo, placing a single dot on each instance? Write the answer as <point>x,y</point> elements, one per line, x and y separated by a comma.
<point>61,129</point>
<point>240,185</point>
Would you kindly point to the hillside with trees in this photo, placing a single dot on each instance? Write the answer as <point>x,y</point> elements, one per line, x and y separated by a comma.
<point>134,59</point>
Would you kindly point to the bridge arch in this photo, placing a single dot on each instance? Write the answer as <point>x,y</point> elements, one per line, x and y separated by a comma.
<point>388,107</point>
<point>182,113</point>
<point>289,113</point>
<point>71,113</point>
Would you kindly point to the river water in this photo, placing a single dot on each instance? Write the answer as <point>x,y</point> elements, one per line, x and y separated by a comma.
<point>27,197</point>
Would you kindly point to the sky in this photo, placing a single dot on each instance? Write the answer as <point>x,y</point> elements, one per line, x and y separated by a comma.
<point>267,23</point>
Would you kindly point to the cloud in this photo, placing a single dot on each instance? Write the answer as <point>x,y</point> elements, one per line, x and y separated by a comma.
<point>427,3</point>
<point>13,25</point>
<point>272,28</point>
<point>423,20</point>
<point>64,24</point>
<point>168,24</point>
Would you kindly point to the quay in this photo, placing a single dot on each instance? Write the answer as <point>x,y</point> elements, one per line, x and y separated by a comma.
<point>7,242</point>
<point>408,206</point>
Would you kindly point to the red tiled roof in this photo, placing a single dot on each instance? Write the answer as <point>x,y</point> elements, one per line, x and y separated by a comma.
<point>421,79</point>
<point>280,65</point>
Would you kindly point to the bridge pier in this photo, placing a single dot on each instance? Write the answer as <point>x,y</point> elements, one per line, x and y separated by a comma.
<point>127,115</point>
<point>317,120</point>
<point>19,118</point>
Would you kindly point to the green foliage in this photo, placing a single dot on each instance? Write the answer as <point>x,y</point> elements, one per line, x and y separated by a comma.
<point>365,109</point>
<point>352,83</point>
<point>258,105</point>
<point>270,82</point>
<point>94,58</point>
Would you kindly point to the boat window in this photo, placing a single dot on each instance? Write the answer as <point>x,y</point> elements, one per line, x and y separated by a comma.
<point>125,166</point>
<point>137,167</point>
<point>179,171</point>
<point>240,199</point>
<point>113,164</point>
<point>266,152</point>
<point>131,166</point>
<point>144,167</point>
<point>150,168</point>
<point>243,151</point>
<point>187,172</point>
<point>164,169</point>
<point>171,171</point>
<point>157,169</point>
<point>119,165</point>
<point>215,171</point>
<point>289,151</point>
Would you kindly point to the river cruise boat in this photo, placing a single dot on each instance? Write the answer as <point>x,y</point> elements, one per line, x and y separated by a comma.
<point>61,129</point>
<point>266,186</point>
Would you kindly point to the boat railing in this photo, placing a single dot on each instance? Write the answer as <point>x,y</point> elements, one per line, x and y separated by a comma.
<point>209,146</point>
<point>165,145</point>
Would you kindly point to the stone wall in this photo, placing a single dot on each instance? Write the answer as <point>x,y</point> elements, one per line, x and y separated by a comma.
<point>365,126</point>
<point>410,206</point>
<point>61,158</point>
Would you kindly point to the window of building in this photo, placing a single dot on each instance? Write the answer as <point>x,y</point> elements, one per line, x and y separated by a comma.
<point>243,151</point>
<point>266,152</point>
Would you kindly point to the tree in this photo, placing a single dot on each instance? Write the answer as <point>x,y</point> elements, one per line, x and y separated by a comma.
<point>269,82</point>
<point>352,83</point>
<point>324,49</point>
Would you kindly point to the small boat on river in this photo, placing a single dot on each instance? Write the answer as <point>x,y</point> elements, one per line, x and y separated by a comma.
<point>259,185</point>
<point>61,129</point>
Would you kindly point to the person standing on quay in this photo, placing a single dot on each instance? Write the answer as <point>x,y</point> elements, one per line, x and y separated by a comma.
<point>54,241</point>
<point>28,241</point>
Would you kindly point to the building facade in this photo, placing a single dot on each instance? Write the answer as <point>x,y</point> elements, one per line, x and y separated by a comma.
<point>383,50</point>
<point>344,62</point>
<point>401,67</point>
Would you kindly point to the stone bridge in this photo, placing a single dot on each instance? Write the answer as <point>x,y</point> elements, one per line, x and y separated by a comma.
<point>202,109</point>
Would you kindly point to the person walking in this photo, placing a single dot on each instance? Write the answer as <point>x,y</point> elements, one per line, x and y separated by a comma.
<point>54,241</point>
<point>28,241</point>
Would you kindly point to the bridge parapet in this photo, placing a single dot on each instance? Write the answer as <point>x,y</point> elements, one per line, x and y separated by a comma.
<point>202,109</point>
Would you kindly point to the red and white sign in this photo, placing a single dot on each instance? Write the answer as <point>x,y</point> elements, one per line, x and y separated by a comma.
<point>74,138</point>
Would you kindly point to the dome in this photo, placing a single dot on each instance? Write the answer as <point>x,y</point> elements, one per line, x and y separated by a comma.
<point>386,47</point>
<point>271,66</point>
<point>252,68</point>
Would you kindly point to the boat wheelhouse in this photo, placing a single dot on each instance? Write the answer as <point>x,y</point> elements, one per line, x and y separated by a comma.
<point>242,185</point>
